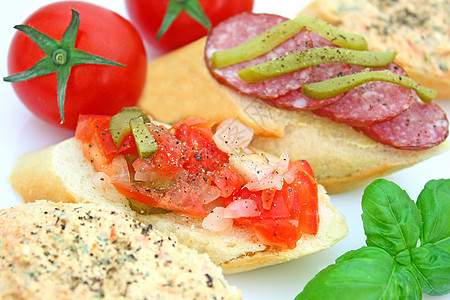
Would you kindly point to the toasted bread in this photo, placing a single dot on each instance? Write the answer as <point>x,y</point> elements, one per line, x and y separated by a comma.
<point>62,173</point>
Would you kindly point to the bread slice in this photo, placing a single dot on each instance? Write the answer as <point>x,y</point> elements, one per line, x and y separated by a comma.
<point>417,30</point>
<point>62,173</point>
<point>179,86</point>
<point>84,251</point>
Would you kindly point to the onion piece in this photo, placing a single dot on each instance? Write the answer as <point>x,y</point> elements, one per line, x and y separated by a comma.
<point>101,181</point>
<point>271,181</point>
<point>282,165</point>
<point>252,167</point>
<point>209,193</point>
<point>231,135</point>
<point>118,169</point>
<point>215,221</point>
<point>242,208</point>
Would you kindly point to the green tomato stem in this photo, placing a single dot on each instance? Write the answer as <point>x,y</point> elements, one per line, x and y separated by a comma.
<point>60,57</point>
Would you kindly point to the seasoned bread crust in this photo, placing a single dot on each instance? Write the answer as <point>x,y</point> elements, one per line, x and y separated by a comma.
<point>83,251</point>
<point>418,30</point>
<point>65,167</point>
<point>180,86</point>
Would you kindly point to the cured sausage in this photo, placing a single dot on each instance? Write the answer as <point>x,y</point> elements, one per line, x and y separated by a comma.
<point>388,113</point>
<point>296,100</point>
<point>422,126</point>
<point>371,102</point>
<point>239,29</point>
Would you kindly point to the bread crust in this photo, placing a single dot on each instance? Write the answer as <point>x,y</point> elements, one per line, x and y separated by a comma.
<point>235,251</point>
<point>421,70</point>
<point>180,86</point>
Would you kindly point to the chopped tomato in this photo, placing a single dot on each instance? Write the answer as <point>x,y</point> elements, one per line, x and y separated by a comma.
<point>128,146</point>
<point>227,180</point>
<point>305,186</point>
<point>202,153</point>
<point>179,198</point>
<point>294,206</point>
<point>103,138</point>
<point>278,233</point>
<point>267,198</point>
<point>169,158</point>
<point>196,177</point>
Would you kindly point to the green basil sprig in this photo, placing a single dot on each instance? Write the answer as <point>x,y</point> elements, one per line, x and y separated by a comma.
<point>393,265</point>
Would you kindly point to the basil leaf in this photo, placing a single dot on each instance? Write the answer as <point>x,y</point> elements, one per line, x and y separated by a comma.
<point>407,283</point>
<point>434,205</point>
<point>391,219</point>
<point>369,273</point>
<point>431,266</point>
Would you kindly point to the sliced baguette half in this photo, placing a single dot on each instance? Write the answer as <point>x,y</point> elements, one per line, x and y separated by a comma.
<point>179,86</point>
<point>62,173</point>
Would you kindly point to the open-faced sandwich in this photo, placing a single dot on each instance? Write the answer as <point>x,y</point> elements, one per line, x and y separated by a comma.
<point>84,251</point>
<point>306,88</point>
<point>195,180</point>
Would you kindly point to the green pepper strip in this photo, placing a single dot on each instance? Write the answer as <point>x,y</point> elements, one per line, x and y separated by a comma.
<point>338,85</point>
<point>276,35</point>
<point>313,57</point>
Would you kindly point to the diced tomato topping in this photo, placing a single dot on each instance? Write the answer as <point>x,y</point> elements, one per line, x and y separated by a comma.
<point>202,154</point>
<point>227,180</point>
<point>279,233</point>
<point>179,198</point>
<point>169,158</point>
<point>267,198</point>
<point>103,138</point>
<point>200,178</point>
<point>128,146</point>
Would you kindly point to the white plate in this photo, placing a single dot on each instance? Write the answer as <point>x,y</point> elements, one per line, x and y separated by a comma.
<point>22,132</point>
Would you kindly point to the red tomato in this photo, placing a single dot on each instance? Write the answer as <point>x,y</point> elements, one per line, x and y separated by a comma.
<point>285,214</point>
<point>152,197</point>
<point>202,153</point>
<point>148,15</point>
<point>170,156</point>
<point>91,89</point>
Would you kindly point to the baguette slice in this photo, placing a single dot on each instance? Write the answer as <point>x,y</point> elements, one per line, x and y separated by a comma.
<point>84,251</point>
<point>62,173</point>
<point>417,30</point>
<point>179,86</point>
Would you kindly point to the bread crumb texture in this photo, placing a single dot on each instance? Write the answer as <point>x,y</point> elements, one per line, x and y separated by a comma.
<point>81,251</point>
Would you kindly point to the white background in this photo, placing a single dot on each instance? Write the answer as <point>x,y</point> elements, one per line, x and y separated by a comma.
<point>22,132</point>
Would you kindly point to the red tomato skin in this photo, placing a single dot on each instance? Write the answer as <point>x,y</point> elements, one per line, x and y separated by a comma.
<point>91,89</point>
<point>148,15</point>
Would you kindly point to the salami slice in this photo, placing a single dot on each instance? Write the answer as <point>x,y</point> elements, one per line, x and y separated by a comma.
<point>296,100</point>
<point>422,126</point>
<point>242,27</point>
<point>371,102</point>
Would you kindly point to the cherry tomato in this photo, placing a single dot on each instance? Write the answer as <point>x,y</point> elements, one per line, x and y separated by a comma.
<point>148,15</point>
<point>91,88</point>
